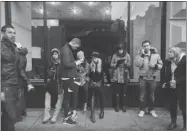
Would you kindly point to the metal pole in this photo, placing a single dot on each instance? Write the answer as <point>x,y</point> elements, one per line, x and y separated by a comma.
<point>45,42</point>
<point>163,36</point>
<point>8,18</point>
<point>129,46</point>
<point>128,26</point>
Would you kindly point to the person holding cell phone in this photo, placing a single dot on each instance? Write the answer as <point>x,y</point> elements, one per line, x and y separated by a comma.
<point>149,63</point>
<point>120,64</point>
<point>82,78</point>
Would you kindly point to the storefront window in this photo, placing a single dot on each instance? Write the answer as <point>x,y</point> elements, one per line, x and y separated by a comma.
<point>145,25</point>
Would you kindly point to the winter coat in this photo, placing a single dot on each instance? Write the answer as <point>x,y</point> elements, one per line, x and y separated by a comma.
<point>96,74</point>
<point>11,70</point>
<point>121,70</point>
<point>68,66</point>
<point>154,58</point>
<point>82,73</point>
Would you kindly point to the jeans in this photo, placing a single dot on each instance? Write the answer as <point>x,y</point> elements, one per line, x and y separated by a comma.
<point>7,124</point>
<point>74,87</point>
<point>151,93</point>
<point>10,109</point>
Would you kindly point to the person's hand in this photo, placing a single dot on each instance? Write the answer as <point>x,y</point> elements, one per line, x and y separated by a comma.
<point>164,85</point>
<point>30,87</point>
<point>151,65</point>
<point>2,96</point>
<point>173,84</point>
<point>78,62</point>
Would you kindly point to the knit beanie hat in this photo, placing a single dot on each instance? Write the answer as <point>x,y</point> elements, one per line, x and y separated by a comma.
<point>76,40</point>
<point>95,54</point>
<point>55,50</point>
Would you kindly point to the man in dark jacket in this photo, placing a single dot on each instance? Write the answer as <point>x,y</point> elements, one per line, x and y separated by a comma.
<point>11,72</point>
<point>69,72</point>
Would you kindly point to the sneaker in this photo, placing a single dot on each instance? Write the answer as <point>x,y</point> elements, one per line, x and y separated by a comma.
<point>69,90</point>
<point>153,113</point>
<point>74,117</point>
<point>108,85</point>
<point>69,121</point>
<point>141,114</point>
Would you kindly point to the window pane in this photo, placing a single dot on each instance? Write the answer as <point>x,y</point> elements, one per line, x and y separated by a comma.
<point>145,25</point>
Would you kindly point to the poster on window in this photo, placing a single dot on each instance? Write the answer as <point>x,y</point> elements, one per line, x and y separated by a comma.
<point>36,52</point>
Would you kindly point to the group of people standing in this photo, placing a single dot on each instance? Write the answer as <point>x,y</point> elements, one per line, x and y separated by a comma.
<point>69,70</point>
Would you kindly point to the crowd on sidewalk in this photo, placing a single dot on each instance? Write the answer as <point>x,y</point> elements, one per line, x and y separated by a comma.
<point>69,70</point>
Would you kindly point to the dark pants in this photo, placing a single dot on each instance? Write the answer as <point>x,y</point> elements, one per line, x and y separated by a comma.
<point>7,124</point>
<point>177,96</point>
<point>85,87</point>
<point>151,86</point>
<point>72,86</point>
<point>98,92</point>
<point>120,91</point>
<point>10,109</point>
<point>22,97</point>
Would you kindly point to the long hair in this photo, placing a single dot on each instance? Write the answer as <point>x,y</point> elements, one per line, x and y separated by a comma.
<point>177,52</point>
<point>99,66</point>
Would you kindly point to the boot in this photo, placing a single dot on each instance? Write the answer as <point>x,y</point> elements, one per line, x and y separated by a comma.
<point>58,107</point>
<point>47,109</point>
<point>101,115</point>
<point>172,125</point>
<point>124,109</point>
<point>117,103</point>
<point>85,107</point>
<point>93,109</point>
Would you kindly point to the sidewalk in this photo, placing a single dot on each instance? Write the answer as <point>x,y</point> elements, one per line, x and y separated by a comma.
<point>112,121</point>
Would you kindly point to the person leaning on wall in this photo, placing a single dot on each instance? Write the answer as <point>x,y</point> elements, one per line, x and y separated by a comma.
<point>11,72</point>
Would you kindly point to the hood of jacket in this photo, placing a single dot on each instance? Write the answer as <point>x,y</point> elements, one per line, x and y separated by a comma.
<point>23,51</point>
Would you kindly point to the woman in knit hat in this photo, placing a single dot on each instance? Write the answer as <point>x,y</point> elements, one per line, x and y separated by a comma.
<point>120,63</point>
<point>53,88</point>
<point>96,85</point>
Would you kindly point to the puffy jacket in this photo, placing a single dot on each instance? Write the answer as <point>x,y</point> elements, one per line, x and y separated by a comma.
<point>11,70</point>
<point>154,58</point>
<point>54,72</point>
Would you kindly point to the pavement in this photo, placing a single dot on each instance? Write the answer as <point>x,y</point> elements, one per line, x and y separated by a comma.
<point>113,121</point>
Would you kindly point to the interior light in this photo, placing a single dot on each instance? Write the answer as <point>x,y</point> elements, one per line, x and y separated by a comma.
<point>106,11</point>
<point>54,3</point>
<point>40,10</point>
<point>91,3</point>
<point>75,10</point>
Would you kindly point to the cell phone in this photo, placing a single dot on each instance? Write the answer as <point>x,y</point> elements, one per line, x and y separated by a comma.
<point>145,51</point>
